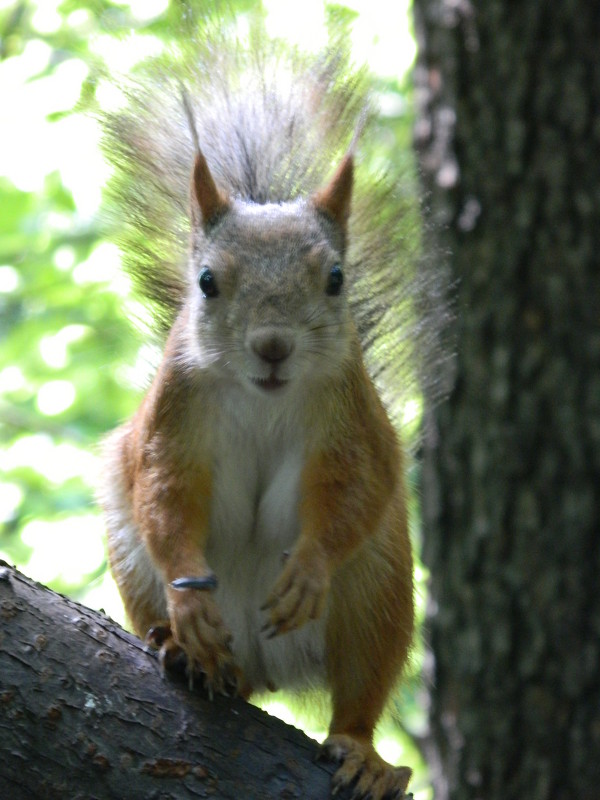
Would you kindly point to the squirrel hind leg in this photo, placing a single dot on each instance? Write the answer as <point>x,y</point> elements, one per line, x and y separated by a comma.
<point>350,743</point>
<point>360,687</point>
<point>364,770</point>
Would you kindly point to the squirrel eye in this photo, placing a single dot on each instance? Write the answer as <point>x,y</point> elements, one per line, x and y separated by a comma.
<point>335,281</point>
<point>207,283</point>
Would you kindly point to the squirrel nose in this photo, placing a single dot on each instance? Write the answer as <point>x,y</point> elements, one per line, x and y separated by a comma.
<point>272,346</point>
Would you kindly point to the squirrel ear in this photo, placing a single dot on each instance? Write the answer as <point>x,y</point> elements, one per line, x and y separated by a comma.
<point>334,198</point>
<point>212,202</point>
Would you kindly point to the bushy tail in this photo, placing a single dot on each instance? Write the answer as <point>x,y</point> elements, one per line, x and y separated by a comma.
<point>272,124</point>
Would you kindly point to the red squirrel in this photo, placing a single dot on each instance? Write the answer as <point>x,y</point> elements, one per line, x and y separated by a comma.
<point>262,453</point>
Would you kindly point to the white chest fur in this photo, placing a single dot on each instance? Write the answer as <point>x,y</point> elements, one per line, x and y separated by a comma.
<point>256,475</point>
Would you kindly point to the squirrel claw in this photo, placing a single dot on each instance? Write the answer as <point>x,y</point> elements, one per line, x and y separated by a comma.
<point>299,596</point>
<point>361,768</point>
<point>270,630</point>
<point>222,676</point>
<point>172,658</point>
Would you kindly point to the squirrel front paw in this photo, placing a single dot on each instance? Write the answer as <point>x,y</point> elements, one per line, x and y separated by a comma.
<point>363,769</point>
<point>299,595</point>
<point>197,629</point>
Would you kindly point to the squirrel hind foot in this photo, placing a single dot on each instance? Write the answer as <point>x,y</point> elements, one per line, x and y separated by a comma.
<point>157,635</point>
<point>171,656</point>
<point>364,770</point>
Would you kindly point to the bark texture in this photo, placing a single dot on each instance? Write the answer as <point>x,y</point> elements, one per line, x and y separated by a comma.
<point>85,712</point>
<point>508,137</point>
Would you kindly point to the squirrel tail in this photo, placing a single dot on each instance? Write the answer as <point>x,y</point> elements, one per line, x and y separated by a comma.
<point>272,123</point>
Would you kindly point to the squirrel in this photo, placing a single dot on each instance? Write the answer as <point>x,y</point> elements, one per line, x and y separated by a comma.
<point>262,460</point>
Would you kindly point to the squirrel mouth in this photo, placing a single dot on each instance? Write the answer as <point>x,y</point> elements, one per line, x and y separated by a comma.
<point>270,384</point>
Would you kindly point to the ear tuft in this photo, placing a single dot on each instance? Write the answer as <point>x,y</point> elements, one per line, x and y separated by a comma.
<point>211,201</point>
<point>334,198</point>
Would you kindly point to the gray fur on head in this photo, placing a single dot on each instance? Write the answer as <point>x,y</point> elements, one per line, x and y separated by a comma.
<point>273,125</point>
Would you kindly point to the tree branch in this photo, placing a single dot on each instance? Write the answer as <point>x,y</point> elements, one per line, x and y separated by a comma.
<point>86,712</point>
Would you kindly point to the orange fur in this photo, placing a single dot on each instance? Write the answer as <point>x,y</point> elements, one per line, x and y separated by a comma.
<point>328,479</point>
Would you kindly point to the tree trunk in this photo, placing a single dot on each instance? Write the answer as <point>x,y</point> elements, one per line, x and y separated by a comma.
<point>508,137</point>
<point>85,712</point>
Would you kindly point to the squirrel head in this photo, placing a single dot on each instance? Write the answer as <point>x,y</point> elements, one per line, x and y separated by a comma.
<point>268,304</point>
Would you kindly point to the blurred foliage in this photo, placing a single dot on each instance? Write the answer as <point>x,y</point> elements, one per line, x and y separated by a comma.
<point>73,363</point>
<point>65,344</point>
